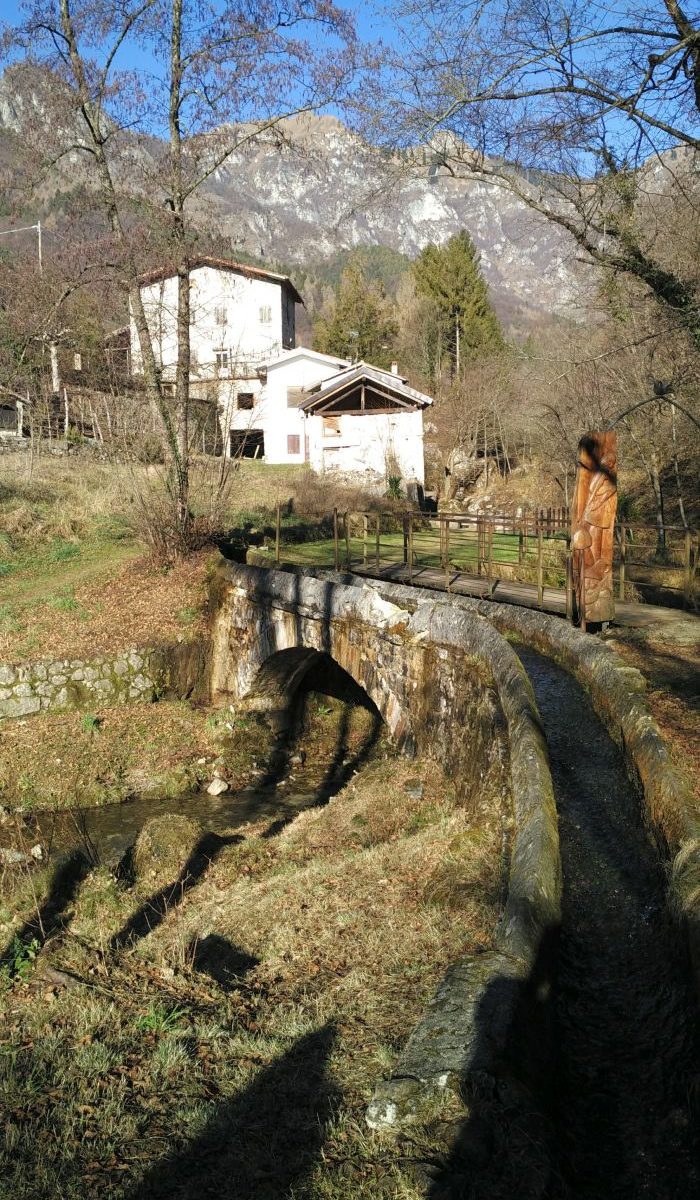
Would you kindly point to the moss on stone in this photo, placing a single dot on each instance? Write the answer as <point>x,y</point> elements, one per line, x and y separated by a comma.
<point>163,847</point>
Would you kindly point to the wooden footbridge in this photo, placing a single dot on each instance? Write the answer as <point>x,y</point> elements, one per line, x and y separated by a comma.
<point>522,559</point>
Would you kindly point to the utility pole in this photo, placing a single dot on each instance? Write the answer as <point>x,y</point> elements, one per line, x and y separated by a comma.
<point>53,346</point>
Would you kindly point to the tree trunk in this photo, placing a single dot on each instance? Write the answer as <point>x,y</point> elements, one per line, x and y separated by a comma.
<point>676,472</point>
<point>659,499</point>
<point>182,376</point>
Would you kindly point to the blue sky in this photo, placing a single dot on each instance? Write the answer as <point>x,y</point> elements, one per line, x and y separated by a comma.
<point>373,22</point>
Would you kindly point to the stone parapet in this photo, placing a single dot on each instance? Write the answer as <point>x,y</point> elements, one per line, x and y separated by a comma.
<point>446,683</point>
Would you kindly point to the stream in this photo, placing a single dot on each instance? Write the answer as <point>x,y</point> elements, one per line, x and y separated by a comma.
<point>109,831</point>
<point>626,1052</point>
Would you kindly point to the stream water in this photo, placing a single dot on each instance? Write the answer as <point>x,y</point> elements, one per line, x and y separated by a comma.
<point>110,830</point>
<point>626,1039</point>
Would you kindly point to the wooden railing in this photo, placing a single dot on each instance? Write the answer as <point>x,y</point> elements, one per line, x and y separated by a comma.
<point>528,548</point>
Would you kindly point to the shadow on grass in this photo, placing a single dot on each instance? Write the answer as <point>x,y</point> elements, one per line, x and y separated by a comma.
<point>153,911</point>
<point>259,1144</point>
<point>221,961</point>
<point>52,917</point>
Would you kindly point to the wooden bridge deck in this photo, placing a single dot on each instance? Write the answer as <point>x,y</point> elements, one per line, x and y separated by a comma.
<point>508,592</point>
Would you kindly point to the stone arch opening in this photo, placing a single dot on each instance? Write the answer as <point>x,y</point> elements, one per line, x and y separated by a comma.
<point>288,690</point>
<point>288,675</point>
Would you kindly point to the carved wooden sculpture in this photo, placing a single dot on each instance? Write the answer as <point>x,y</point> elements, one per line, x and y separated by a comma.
<point>593,527</point>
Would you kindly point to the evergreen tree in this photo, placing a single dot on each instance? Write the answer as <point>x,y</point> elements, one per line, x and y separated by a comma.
<point>360,324</point>
<point>466,325</point>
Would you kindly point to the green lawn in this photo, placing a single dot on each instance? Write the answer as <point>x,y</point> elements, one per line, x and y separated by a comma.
<point>463,551</point>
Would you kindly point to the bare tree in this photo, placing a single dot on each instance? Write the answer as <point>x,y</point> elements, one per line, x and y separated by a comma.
<point>221,75</point>
<point>591,118</point>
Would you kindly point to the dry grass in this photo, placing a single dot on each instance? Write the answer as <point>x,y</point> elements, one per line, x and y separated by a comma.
<point>672,673</point>
<point>56,761</point>
<point>150,1079</point>
<point>74,577</point>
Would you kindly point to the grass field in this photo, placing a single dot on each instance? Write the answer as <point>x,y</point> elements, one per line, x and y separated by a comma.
<point>231,1048</point>
<point>463,553</point>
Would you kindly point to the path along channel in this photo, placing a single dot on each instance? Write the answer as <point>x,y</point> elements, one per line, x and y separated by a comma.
<point>626,1052</point>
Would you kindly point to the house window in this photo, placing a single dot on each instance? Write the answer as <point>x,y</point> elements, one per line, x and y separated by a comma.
<point>293,443</point>
<point>331,426</point>
<point>265,314</point>
<point>246,400</point>
<point>77,362</point>
<point>220,314</point>
<point>221,360</point>
<point>295,395</point>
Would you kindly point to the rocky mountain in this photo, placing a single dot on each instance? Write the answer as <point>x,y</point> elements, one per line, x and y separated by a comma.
<point>319,190</point>
<point>326,191</point>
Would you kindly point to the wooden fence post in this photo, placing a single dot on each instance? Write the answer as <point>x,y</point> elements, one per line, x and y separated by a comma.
<point>376,548</point>
<point>479,545</point>
<point>447,554</point>
<point>346,527</point>
<point>278,523</point>
<point>687,559</point>
<point>410,547</point>
<point>569,580</point>
<point>364,539</point>
<point>336,550</point>
<point>490,562</point>
<point>623,555</point>
<point>540,569</point>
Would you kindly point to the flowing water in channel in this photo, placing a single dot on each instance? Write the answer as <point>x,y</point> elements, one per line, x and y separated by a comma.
<point>625,1016</point>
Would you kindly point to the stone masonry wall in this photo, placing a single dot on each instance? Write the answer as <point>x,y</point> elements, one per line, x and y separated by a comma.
<point>29,688</point>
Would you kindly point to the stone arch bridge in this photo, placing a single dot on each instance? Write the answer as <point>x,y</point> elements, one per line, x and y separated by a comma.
<point>440,685</point>
<point>447,682</point>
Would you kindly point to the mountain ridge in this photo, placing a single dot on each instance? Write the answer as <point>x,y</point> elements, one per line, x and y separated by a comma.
<point>316,190</point>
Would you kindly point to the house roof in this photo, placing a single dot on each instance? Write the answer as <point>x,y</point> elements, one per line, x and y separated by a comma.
<point>364,376</point>
<point>304,352</point>
<point>224,264</point>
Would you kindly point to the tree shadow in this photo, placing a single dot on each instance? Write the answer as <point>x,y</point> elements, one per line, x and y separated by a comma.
<point>258,1145</point>
<point>221,961</point>
<point>153,911</point>
<point>504,1147</point>
<point>52,917</point>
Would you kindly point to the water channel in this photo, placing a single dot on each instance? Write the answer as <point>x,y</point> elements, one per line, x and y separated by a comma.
<point>625,1032</point>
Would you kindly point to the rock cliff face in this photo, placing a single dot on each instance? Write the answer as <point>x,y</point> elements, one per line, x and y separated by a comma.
<point>319,189</point>
<point>328,191</point>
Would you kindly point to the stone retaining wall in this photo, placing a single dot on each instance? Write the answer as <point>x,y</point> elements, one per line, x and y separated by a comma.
<point>29,688</point>
<point>180,669</point>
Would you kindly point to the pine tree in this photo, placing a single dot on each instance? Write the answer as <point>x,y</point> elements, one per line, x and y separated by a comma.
<point>360,324</point>
<point>466,324</point>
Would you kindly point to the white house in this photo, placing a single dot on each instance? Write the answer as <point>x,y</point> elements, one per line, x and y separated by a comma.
<point>352,418</point>
<point>240,316</point>
<point>275,402</point>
